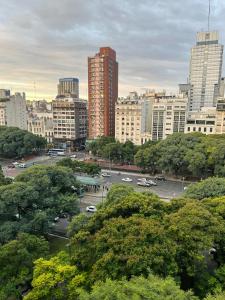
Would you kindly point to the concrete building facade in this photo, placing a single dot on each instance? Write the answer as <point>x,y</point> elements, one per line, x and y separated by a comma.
<point>203,121</point>
<point>133,119</point>
<point>102,93</point>
<point>70,120</point>
<point>13,110</point>
<point>205,71</point>
<point>168,116</point>
<point>68,87</point>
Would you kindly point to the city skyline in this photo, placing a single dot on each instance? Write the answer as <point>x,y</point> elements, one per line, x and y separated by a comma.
<point>39,47</point>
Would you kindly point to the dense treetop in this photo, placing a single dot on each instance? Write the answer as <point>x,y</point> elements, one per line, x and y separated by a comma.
<point>15,142</point>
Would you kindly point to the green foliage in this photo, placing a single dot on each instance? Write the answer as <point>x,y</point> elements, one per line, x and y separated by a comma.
<point>108,148</point>
<point>15,142</point>
<point>3,179</point>
<point>138,288</point>
<point>55,279</point>
<point>125,247</point>
<point>37,196</point>
<point>16,261</point>
<point>117,192</point>
<point>77,223</point>
<point>211,187</point>
<point>219,296</point>
<point>191,154</point>
<point>80,166</point>
<point>194,229</point>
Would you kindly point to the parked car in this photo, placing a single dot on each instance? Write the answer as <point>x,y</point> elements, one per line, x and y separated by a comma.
<point>127,179</point>
<point>91,209</point>
<point>15,163</point>
<point>160,177</point>
<point>106,175</point>
<point>143,183</point>
<point>73,156</point>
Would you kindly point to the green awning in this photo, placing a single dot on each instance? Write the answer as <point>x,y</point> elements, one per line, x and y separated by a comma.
<point>88,180</point>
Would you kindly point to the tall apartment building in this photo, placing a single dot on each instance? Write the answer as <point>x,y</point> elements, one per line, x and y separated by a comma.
<point>68,87</point>
<point>13,109</point>
<point>133,119</point>
<point>205,71</point>
<point>70,120</point>
<point>168,116</point>
<point>102,92</point>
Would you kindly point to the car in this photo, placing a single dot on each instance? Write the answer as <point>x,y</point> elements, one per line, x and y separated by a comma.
<point>142,179</point>
<point>151,182</point>
<point>91,209</point>
<point>56,219</point>
<point>15,163</point>
<point>11,166</point>
<point>73,156</point>
<point>142,183</point>
<point>106,175</point>
<point>160,177</point>
<point>127,179</point>
<point>22,165</point>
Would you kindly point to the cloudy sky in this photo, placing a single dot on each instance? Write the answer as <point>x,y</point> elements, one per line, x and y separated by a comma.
<point>43,40</point>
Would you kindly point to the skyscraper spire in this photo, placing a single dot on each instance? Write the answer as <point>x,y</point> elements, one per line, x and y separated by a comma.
<point>209,15</point>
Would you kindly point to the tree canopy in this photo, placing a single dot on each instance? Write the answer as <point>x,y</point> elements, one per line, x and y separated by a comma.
<point>15,142</point>
<point>37,196</point>
<point>16,260</point>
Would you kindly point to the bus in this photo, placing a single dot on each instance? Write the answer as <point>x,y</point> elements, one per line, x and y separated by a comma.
<point>56,152</point>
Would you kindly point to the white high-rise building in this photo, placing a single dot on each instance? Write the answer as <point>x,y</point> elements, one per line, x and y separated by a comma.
<point>205,71</point>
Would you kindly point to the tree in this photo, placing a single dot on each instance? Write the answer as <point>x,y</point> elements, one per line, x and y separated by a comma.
<point>79,166</point>
<point>16,260</point>
<point>219,296</point>
<point>37,196</point>
<point>15,142</point>
<point>77,223</point>
<point>210,187</point>
<point>138,288</point>
<point>55,279</point>
<point>194,229</point>
<point>117,192</point>
<point>125,247</point>
<point>3,179</point>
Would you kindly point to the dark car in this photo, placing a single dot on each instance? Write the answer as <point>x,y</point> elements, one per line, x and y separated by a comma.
<point>160,177</point>
<point>11,166</point>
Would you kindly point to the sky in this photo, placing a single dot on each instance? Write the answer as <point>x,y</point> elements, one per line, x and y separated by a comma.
<point>43,40</point>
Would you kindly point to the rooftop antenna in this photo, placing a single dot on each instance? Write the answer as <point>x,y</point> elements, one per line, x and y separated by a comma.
<point>209,15</point>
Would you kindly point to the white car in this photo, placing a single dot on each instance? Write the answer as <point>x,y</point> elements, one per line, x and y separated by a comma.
<point>22,165</point>
<point>151,182</point>
<point>106,175</point>
<point>73,156</point>
<point>127,179</point>
<point>91,209</point>
<point>15,163</point>
<point>142,183</point>
<point>142,179</point>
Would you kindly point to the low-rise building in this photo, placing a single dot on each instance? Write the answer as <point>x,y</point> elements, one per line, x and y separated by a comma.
<point>41,124</point>
<point>203,121</point>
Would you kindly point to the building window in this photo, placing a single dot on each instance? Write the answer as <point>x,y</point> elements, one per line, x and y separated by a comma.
<point>211,129</point>
<point>194,129</point>
<point>188,129</point>
<point>199,129</point>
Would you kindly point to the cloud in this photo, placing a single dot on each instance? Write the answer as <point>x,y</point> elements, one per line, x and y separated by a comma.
<point>44,40</point>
